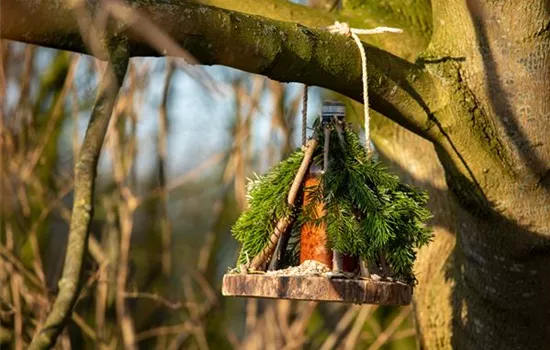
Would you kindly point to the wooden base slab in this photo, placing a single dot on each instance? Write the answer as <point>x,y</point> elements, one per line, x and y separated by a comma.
<point>317,288</point>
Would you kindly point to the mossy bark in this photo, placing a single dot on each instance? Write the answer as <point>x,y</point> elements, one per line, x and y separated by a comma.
<point>481,283</point>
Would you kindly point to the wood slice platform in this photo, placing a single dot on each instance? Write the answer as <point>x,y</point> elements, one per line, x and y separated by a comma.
<point>317,288</point>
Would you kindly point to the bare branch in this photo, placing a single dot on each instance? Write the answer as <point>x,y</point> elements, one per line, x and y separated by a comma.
<point>85,173</point>
<point>390,330</point>
<point>152,296</point>
<point>165,227</point>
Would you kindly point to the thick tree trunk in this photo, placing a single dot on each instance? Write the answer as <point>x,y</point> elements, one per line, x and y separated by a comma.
<point>484,282</point>
<point>501,297</point>
<point>415,161</point>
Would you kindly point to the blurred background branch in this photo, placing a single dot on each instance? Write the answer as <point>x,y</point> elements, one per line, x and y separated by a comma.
<point>83,207</point>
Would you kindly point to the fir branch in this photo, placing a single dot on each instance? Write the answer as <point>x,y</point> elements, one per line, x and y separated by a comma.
<point>368,211</point>
<point>267,199</point>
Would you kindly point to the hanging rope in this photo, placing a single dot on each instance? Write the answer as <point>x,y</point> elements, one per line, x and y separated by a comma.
<point>304,117</point>
<point>344,29</point>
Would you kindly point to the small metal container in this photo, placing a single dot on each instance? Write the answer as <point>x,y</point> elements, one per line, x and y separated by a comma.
<point>332,109</point>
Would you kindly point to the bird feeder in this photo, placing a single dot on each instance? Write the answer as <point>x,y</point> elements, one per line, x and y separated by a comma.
<point>329,224</point>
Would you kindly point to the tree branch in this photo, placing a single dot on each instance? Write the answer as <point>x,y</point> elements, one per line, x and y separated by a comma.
<point>280,10</point>
<point>85,173</point>
<point>282,51</point>
<point>416,23</point>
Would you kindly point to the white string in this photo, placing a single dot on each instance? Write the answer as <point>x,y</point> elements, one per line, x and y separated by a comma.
<point>344,29</point>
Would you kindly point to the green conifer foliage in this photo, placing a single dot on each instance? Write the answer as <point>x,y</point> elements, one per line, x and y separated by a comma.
<point>368,211</point>
<point>267,202</point>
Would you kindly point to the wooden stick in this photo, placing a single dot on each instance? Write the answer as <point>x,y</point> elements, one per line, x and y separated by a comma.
<point>337,261</point>
<point>299,178</point>
<point>261,258</point>
<point>326,149</point>
<point>386,270</point>
<point>364,268</point>
<point>284,222</point>
<point>280,248</point>
<point>340,131</point>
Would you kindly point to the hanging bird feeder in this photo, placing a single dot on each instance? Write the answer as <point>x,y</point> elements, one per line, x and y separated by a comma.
<point>329,224</point>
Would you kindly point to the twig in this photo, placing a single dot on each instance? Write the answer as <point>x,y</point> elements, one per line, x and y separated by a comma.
<point>189,176</point>
<point>6,255</point>
<point>308,154</point>
<point>160,331</point>
<point>15,284</point>
<point>390,330</point>
<point>125,207</point>
<point>341,327</point>
<point>126,210</point>
<point>25,78</point>
<point>96,251</point>
<point>304,115</point>
<point>272,332</point>
<point>386,269</point>
<point>326,148</point>
<point>278,123</point>
<point>280,248</point>
<point>206,250</point>
<point>409,332</point>
<point>57,112</point>
<point>284,311</point>
<point>101,296</point>
<point>162,42</point>
<point>302,319</point>
<point>211,294</point>
<point>151,296</point>
<point>3,49</point>
<point>355,332</point>
<point>107,276</point>
<point>165,227</point>
<point>86,329</point>
<point>364,268</point>
<point>197,315</point>
<point>251,318</point>
<point>232,338</point>
<point>268,250</point>
<point>85,173</point>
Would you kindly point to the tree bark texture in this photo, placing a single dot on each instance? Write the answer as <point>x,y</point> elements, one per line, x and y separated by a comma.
<point>473,81</point>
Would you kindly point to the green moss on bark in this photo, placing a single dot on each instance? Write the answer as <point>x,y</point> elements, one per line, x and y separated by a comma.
<point>414,17</point>
<point>474,120</point>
